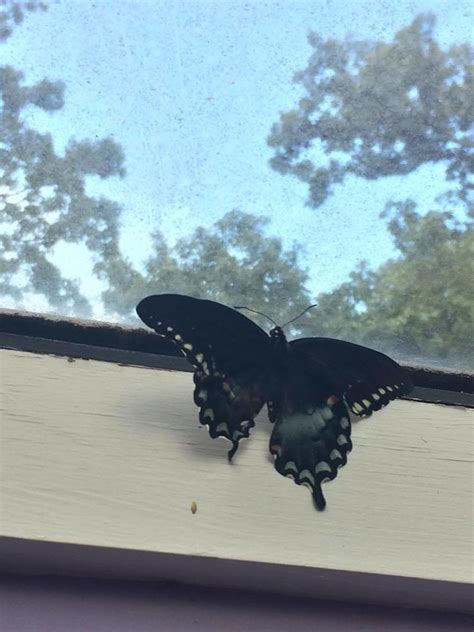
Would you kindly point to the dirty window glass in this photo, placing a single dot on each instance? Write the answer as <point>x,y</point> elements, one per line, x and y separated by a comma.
<point>271,153</point>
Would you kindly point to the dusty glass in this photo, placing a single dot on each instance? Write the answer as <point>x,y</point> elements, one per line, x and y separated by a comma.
<point>271,153</point>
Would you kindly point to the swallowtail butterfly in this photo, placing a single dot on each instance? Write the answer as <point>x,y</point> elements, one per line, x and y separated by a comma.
<point>308,384</point>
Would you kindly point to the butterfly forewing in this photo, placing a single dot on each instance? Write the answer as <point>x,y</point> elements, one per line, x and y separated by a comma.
<point>368,379</point>
<point>229,353</point>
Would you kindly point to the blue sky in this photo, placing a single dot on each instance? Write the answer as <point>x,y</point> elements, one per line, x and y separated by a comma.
<point>190,90</point>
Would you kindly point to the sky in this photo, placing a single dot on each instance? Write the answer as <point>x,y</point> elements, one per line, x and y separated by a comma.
<point>190,90</point>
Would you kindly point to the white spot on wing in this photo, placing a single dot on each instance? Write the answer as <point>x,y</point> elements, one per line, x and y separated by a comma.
<point>188,346</point>
<point>382,391</point>
<point>366,403</point>
<point>306,474</point>
<point>209,414</point>
<point>376,396</point>
<point>291,465</point>
<point>222,427</point>
<point>322,466</point>
<point>335,454</point>
<point>357,407</point>
<point>344,422</point>
<point>202,394</point>
<point>341,440</point>
<point>199,357</point>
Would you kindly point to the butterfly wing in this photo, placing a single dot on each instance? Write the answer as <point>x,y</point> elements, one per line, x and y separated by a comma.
<point>312,434</point>
<point>366,378</point>
<point>309,447</point>
<point>229,353</point>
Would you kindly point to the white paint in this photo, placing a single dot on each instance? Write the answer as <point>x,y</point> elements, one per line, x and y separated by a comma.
<point>90,451</point>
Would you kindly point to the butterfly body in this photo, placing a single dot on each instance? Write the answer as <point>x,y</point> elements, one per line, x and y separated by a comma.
<point>308,384</point>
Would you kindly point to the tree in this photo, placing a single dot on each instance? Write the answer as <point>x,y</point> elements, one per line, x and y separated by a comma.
<point>377,109</point>
<point>43,198</point>
<point>12,13</point>
<point>231,260</point>
<point>418,306</point>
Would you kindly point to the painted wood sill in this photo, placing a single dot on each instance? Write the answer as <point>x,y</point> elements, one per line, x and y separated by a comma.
<point>101,464</point>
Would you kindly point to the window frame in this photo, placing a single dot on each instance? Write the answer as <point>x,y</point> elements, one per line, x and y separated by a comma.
<point>135,347</point>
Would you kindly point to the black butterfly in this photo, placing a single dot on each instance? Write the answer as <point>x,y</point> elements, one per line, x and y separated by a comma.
<point>308,384</point>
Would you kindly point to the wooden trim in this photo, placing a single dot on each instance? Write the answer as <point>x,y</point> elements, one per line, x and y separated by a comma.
<point>126,345</point>
<point>108,456</point>
<point>35,557</point>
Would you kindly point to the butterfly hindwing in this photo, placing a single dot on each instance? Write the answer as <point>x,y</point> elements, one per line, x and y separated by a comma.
<point>309,446</point>
<point>228,405</point>
<point>229,353</point>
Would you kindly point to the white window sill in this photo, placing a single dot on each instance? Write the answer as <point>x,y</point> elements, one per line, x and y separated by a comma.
<point>100,459</point>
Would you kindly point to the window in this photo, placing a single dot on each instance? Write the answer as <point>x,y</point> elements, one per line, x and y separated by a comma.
<point>245,152</point>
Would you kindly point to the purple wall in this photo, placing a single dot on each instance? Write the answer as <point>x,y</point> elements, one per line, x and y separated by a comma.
<point>36,604</point>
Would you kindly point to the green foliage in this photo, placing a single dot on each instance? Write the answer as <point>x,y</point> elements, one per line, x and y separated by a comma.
<point>371,109</point>
<point>418,306</point>
<point>43,199</point>
<point>232,261</point>
<point>12,13</point>
<point>377,109</point>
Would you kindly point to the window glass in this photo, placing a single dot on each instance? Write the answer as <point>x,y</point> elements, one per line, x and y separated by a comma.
<point>269,153</point>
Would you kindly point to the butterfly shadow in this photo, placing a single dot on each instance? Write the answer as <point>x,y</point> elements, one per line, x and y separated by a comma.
<point>182,428</point>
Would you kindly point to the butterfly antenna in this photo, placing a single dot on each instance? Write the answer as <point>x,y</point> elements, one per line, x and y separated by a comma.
<point>299,315</point>
<point>256,312</point>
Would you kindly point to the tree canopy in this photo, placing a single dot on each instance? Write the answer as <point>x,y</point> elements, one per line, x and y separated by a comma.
<point>43,198</point>
<point>231,260</point>
<point>12,13</point>
<point>420,305</point>
<point>377,109</point>
<point>370,110</point>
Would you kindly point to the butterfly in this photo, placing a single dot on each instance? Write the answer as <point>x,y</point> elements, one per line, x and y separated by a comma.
<point>308,384</point>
